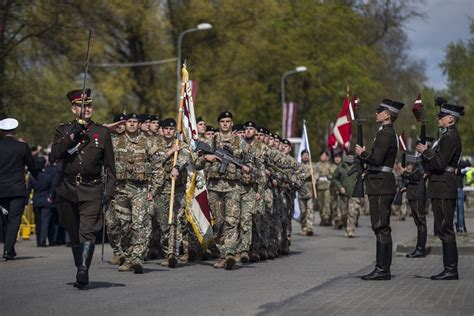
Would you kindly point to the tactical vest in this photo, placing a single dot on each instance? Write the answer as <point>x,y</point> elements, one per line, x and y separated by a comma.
<point>231,172</point>
<point>131,158</point>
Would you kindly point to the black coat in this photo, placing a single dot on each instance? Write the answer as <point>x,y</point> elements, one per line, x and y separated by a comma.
<point>446,152</point>
<point>14,156</point>
<point>384,153</point>
<point>44,187</point>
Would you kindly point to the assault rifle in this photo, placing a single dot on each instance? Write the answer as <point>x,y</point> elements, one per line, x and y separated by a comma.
<point>224,154</point>
<point>417,161</point>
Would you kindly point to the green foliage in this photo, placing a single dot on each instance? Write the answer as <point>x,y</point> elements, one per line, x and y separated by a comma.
<point>458,65</point>
<point>238,64</point>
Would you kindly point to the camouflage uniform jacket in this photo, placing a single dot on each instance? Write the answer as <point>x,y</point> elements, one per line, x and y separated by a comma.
<point>324,171</point>
<point>230,179</point>
<point>306,191</point>
<point>135,161</point>
<point>184,158</point>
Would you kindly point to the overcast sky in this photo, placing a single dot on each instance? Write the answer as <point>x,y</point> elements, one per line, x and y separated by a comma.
<point>446,21</point>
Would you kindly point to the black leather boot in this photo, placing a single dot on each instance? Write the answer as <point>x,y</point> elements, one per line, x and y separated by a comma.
<point>450,262</point>
<point>420,250</point>
<point>384,260</point>
<point>76,253</point>
<point>82,276</point>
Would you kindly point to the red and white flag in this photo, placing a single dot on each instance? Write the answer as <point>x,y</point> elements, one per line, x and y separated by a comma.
<point>290,111</point>
<point>198,212</point>
<point>402,142</point>
<point>342,131</point>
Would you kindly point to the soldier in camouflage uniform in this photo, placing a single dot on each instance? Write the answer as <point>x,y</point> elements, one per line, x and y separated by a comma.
<point>306,197</point>
<point>154,126</point>
<point>224,189</point>
<point>111,221</point>
<point>137,182</point>
<point>349,207</point>
<point>335,200</point>
<point>172,235</point>
<point>323,173</point>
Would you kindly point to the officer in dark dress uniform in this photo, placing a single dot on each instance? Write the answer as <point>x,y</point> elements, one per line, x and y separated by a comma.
<point>14,156</point>
<point>442,161</point>
<point>380,185</point>
<point>84,147</point>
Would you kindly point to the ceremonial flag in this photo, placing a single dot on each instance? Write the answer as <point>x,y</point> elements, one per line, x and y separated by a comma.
<point>289,114</point>
<point>198,212</point>
<point>342,131</point>
<point>304,146</point>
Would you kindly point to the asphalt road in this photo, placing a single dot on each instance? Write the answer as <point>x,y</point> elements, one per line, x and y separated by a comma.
<point>40,281</point>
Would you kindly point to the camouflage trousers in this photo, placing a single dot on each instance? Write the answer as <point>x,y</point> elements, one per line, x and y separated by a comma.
<point>258,222</point>
<point>248,201</point>
<point>307,214</point>
<point>348,211</point>
<point>267,212</point>
<point>276,225</point>
<point>333,203</point>
<point>225,207</point>
<point>323,203</point>
<point>171,235</point>
<point>287,216</point>
<point>132,218</point>
<point>114,230</point>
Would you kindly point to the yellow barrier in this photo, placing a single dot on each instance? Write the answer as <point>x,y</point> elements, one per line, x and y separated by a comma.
<point>27,226</point>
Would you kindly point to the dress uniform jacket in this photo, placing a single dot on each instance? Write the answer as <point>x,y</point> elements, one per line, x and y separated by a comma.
<point>14,155</point>
<point>384,153</point>
<point>82,169</point>
<point>442,160</point>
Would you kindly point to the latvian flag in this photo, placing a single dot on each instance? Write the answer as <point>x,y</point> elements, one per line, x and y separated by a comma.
<point>341,134</point>
<point>198,212</point>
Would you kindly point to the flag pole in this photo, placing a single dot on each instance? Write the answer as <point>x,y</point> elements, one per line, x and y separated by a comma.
<point>313,180</point>
<point>184,80</point>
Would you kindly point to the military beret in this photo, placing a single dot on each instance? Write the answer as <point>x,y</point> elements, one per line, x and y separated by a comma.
<point>168,122</point>
<point>216,130</point>
<point>143,117</point>
<point>337,152</point>
<point>286,142</point>
<point>261,130</point>
<point>451,109</point>
<point>225,114</point>
<point>237,127</point>
<point>119,117</point>
<point>250,124</point>
<point>131,116</point>
<point>209,128</point>
<point>154,118</point>
<point>305,151</point>
<point>324,151</point>
<point>199,119</point>
<point>8,124</point>
<point>75,96</point>
<point>271,134</point>
<point>276,136</point>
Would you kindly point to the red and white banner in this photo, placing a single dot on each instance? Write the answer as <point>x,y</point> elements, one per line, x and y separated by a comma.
<point>198,212</point>
<point>289,113</point>
<point>342,131</point>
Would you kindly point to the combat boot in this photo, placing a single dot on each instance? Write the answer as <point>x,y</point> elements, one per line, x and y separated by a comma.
<point>262,253</point>
<point>244,257</point>
<point>229,262</point>
<point>450,262</point>
<point>82,276</point>
<point>383,262</point>
<point>125,266</point>
<point>309,232</point>
<point>253,256</point>
<point>117,260</point>
<point>419,251</point>
<point>192,254</point>
<point>153,254</point>
<point>220,264</point>
<point>285,248</point>
<point>172,261</point>
<point>137,268</point>
<point>350,234</point>
<point>270,253</point>
<point>237,258</point>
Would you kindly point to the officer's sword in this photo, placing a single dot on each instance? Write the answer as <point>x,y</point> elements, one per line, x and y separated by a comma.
<point>81,120</point>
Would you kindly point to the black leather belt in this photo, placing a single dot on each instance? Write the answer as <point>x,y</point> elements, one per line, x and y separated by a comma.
<point>78,178</point>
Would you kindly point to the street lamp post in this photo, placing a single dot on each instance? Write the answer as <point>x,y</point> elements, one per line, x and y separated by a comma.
<point>199,27</point>
<point>282,84</point>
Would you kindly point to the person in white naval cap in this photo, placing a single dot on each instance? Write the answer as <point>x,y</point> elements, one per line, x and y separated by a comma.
<point>14,155</point>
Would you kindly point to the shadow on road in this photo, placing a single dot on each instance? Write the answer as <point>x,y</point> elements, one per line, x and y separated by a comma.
<point>100,285</point>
